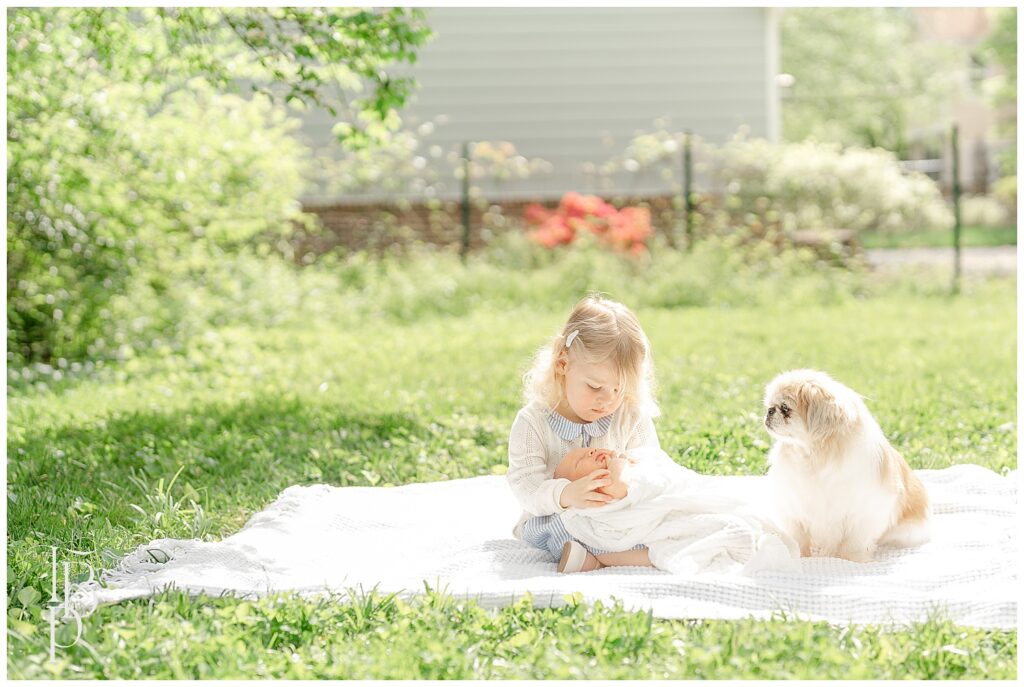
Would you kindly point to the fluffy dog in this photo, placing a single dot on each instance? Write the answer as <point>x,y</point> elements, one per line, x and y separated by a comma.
<point>836,483</point>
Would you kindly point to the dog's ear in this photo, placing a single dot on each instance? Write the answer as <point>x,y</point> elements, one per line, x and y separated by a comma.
<point>826,411</point>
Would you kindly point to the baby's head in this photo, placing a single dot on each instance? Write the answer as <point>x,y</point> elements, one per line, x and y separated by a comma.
<point>580,462</point>
<point>600,360</point>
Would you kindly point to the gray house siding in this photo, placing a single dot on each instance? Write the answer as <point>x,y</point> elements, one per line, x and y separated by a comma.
<point>574,85</point>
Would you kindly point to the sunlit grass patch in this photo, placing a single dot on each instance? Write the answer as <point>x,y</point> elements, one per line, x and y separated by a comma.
<point>190,444</point>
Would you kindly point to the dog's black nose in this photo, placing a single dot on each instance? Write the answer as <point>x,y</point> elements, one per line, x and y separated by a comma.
<point>771,411</point>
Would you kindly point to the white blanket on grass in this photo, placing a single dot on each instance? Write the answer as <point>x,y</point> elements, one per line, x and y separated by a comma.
<point>687,527</point>
<point>455,536</point>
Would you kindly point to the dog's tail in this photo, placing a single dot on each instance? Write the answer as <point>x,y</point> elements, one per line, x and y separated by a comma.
<point>913,522</point>
<point>907,533</point>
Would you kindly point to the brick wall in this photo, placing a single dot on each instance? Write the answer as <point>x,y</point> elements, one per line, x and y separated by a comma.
<point>376,226</point>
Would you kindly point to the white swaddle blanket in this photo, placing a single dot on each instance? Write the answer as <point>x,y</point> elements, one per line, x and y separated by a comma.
<point>688,526</point>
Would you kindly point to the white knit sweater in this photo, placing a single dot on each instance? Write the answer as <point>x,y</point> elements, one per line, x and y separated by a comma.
<point>534,451</point>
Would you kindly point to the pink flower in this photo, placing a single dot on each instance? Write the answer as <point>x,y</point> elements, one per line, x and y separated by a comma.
<point>626,230</point>
<point>553,232</point>
<point>535,214</point>
<point>575,205</point>
<point>639,222</point>
<point>628,226</point>
<point>578,224</point>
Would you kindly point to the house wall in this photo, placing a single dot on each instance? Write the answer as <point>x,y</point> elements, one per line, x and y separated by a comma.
<point>572,86</point>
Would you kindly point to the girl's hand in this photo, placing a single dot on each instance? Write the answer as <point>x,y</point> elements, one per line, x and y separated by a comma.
<point>583,492</point>
<point>616,467</point>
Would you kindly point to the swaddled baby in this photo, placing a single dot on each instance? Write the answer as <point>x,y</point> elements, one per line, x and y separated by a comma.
<point>580,462</point>
<point>667,507</point>
<point>648,469</point>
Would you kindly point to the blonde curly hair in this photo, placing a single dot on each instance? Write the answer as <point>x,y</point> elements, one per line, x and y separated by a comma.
<point>608,332</point>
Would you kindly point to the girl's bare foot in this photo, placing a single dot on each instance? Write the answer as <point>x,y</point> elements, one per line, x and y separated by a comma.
<point>591,563</point>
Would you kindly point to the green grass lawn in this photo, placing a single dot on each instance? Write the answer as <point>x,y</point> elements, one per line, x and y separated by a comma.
<point>246,412</point>
<point>974,236</point>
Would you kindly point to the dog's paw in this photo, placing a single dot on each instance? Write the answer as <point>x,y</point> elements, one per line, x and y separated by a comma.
<point>856,554</point>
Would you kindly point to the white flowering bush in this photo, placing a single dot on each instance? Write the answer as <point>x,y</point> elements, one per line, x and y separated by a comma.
<point>405,163</point>
<point>1005,191</point>
<point>812,185</point>
<point>983,211</point>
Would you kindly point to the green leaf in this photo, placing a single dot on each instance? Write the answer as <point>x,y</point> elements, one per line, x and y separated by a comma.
<point>22,627</point>
<point>527,636</point>
<point>28,596</point>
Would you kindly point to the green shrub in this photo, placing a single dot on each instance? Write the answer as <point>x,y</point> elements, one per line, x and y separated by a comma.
<point>118,189</point>
<point>512,272</point>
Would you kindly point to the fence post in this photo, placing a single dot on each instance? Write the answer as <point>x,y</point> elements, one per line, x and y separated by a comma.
<point>465,200</point>
<point>688,186</point>
<point>956,211</point>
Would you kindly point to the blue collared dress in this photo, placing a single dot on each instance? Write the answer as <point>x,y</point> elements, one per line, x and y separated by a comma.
<point>547,531</point>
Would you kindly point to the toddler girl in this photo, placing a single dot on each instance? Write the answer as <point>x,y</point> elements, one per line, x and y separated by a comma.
<point>590,386</point>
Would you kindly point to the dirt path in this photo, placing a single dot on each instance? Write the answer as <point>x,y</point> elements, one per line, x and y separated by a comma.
<point>994,260</point>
